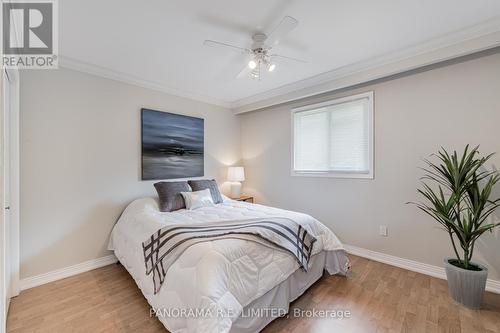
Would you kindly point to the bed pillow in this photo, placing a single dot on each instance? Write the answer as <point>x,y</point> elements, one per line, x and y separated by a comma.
<point>169,194</point>
<point>198,199</point>
<point>203,184</point>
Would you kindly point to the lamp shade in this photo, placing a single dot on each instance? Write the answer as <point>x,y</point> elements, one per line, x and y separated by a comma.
<point>235,174</point>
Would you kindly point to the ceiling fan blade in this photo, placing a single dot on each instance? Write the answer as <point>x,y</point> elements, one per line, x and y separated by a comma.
<point>245,72</point>
<point>213,43</point>
<point>286,25</point>
<point>287,58</point>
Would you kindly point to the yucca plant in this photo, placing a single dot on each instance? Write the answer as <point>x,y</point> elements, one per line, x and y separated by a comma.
<point>460,200</point>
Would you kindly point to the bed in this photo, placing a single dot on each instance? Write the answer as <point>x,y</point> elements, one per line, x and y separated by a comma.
<point>224,285</point>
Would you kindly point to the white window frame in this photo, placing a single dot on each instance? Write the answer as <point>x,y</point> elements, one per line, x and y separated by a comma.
<point>371,139</point>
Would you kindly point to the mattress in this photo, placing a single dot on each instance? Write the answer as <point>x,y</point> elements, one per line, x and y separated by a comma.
<point>212,283</point>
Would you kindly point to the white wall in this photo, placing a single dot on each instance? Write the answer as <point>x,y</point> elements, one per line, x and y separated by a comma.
<point>414,115</point>
<point>81,158</point>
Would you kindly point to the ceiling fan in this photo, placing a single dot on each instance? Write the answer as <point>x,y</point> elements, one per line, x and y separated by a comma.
<point>262,59</point>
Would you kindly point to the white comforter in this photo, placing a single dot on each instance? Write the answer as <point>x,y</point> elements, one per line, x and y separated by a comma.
<point>216,277</point>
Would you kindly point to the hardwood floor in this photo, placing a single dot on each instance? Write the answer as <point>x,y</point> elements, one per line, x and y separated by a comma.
<point>380,298</point>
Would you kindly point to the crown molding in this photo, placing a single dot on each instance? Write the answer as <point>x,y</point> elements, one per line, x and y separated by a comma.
<point>457,44</point>
<point>453,45</point>
<point>84,67</point>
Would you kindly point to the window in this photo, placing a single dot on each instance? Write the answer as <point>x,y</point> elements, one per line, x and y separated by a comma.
<point>334,139</point>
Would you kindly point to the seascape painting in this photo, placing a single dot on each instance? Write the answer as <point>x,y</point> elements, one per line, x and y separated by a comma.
<point>172,145</point>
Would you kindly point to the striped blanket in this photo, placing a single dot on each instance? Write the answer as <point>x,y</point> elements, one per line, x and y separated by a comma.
<point>163,248</point>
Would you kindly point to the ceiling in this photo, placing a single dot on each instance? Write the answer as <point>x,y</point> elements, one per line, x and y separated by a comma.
<point>161,42</point>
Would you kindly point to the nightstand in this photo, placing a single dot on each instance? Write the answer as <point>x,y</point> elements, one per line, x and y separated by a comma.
<point>245,198</point>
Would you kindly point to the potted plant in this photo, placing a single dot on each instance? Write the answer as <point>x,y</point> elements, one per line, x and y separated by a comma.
<point>459,200</point>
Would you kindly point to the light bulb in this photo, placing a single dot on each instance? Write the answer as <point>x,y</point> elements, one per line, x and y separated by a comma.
<point>252,64</point>
<point>271,67</point>
<point>254,74</point>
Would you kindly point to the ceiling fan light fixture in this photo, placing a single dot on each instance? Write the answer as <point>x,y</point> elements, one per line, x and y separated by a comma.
<point>255,74</point>
<point>260,54</point>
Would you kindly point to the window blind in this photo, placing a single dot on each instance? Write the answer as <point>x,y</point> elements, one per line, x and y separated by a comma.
<point>333,138</point>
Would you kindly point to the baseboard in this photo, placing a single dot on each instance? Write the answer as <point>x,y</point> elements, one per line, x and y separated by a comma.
<point>62,273</point>
<point>411,265</point>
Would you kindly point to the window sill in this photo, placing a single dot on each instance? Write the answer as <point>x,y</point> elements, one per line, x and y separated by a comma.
<point>334,174</point>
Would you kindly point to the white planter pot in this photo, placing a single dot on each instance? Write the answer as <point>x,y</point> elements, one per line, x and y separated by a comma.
<point>466,286</point>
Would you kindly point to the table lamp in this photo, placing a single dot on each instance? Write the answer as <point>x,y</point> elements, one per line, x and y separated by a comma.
<point>235,175</point>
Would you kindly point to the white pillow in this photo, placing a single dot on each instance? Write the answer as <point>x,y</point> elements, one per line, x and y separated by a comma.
<point>198,199</point>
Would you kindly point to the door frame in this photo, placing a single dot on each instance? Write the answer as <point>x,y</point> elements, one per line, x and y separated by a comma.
<point>9,256</point>
<point>3,297</point>
<point>14,149</point>
<point>11,259</point>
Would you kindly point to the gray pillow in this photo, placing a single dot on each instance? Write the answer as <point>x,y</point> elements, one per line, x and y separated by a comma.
<point>199,185</point>
<point>169,194</point>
